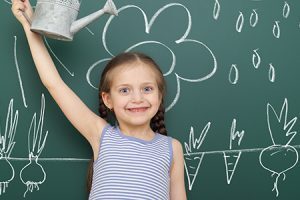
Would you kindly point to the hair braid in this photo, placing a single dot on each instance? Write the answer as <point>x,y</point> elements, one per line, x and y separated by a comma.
<point>158,121</point>
<point>103,110</point>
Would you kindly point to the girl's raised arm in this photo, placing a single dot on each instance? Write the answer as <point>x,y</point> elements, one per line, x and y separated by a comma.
<point>84,120</point>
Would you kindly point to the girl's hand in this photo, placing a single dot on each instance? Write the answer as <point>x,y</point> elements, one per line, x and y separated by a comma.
<point>20,6</point>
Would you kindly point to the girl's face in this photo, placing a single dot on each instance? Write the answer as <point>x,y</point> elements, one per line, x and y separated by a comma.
<point>134,95</point>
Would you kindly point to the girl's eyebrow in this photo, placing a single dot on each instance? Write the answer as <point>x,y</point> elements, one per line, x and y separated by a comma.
<point>143,83</point>
<point>123,85</point>
<point>148,83</point>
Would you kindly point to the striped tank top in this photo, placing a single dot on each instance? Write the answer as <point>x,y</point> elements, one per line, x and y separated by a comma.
<point>131,168</point>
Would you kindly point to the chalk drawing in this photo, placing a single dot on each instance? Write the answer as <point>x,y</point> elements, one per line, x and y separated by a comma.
<point>239,22</point>
<point>193,157</point>
<point>231,159</point>
<point>172,67</point>
<point>253,18</point>
<point>216,11</point>
<point>19,74</point>
<point>89,30</point>
<point>7,1</point>
<point>36,144</point>
<point>252,150</point>
<point>239,135</point>
<point>282,120</point>
<point>286,10</point>
<point>55,56</point>
<point>53,159</point>
<point>148,25</point>
<point>256,60</point>
<point>214,65</point>
<point>278,158</point>
<point>7,143</point>
<point>272,73</point>
<point>279,150</point>
<point>192,162</point>
<point>276,29</point>
<point>91,68</point>
<point>177,94</point>
<point>233,75</point>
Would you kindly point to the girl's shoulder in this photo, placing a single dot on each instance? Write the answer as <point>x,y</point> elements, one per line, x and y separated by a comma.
<point>177,147</point>
<point>177,152</point>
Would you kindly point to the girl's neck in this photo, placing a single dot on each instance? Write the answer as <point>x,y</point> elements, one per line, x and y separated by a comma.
<point>141,132</point>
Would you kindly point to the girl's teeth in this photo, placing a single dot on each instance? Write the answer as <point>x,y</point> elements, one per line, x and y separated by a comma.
<point>137,109</point>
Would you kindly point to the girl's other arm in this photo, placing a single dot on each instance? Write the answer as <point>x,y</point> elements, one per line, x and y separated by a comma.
<point>85,121</point>
<point>177,187</point>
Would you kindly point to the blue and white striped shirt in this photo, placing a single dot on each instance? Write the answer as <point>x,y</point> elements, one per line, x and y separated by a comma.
<point>131,168</point>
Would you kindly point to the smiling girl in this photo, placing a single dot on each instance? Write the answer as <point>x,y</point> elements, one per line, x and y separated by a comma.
<point>133,159</point>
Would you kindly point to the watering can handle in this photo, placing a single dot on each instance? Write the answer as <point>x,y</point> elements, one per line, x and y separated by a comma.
<point>26,17</point>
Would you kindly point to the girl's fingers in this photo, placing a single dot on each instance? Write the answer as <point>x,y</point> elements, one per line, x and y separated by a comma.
<point>15,1</point>
<point>23,5</point>
<point>27,3</point>
<point>19,8</point>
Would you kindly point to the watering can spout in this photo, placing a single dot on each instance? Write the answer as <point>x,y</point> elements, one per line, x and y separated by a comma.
<point>109,8</point>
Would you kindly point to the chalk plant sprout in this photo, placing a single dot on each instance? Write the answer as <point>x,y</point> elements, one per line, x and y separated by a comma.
<point>7,143</point>
<point>33,174</point>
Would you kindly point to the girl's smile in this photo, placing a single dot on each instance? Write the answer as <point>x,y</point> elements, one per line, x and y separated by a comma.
<point>138,109</point>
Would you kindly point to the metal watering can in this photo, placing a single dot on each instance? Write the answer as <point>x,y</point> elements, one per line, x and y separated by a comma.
<point>57,18</point>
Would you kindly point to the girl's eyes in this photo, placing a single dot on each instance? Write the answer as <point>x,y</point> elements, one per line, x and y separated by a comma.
<point>124,90</point>
<point>147,89</point>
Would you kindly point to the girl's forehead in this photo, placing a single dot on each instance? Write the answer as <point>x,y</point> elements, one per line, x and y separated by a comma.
<point>132,72</point>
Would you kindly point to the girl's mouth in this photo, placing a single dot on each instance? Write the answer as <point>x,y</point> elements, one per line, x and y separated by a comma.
<point>141,109</point>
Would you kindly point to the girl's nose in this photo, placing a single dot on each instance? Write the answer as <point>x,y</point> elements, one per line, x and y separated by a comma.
<point>137,96</point>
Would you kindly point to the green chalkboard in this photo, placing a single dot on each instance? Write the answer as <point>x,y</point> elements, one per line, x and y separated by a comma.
<point>232,69</point>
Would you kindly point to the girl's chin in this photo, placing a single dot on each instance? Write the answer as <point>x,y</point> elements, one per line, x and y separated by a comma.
<point>137,118</point>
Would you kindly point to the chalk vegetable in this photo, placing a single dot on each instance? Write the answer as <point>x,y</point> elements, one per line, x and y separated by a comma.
<point>279,158</point>
<point>7,144</point>
<point>33,174</point>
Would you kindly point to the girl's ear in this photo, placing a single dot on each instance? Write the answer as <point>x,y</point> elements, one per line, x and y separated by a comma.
<point>106,100</point>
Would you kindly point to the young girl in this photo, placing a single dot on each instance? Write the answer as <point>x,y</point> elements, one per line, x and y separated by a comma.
<point>134,159</point>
